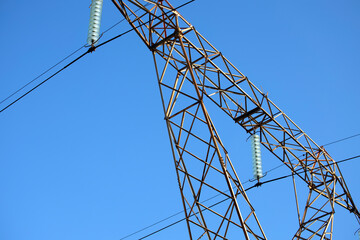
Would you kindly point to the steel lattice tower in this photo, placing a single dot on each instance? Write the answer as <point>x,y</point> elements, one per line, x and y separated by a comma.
<point>190,69</point>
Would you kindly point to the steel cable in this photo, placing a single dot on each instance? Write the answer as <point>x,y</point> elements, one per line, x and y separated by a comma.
<point>91,49</point>
<point>247,189</point>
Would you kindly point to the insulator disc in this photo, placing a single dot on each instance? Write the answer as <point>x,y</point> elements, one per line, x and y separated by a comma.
<point>256,156</point>
<point>95,20</point>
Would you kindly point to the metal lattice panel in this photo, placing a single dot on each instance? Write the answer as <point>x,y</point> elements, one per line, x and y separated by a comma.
<point>188,69</point>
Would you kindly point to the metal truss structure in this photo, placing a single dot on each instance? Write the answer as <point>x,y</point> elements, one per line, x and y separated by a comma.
<point>190,69</point>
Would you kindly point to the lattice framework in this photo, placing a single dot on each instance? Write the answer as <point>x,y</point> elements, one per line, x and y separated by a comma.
<point>188,69</point>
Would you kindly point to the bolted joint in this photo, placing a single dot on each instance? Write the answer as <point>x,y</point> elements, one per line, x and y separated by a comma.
<point>153,46</point>
<point>92,49</point>
<point>311,186</point>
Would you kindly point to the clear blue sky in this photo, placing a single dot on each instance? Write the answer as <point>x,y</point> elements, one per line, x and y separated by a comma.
<point>86,156</point>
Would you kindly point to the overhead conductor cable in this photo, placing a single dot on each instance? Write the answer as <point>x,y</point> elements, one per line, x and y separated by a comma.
<point>95,20</point>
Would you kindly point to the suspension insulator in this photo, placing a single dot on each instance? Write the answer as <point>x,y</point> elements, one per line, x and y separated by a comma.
<point>95,19</point>
<point>256,155</point>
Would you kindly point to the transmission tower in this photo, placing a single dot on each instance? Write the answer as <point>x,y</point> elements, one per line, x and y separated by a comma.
<point>190,69</point>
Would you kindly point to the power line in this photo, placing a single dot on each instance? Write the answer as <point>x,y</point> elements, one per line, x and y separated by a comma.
<point>114,25</point>
<point>167,218</point>
<point>142,24</point>
<point>304,171</point>
<point>91,49</point>
<point>256,185</point>
<point>42,74</point>
<point>154,224</point>
<point>47,79</point>
<point>356,135</point>
<point>122,20</point>
<point>327,144</point>
<point>178,213</point>
<point>68,56</point>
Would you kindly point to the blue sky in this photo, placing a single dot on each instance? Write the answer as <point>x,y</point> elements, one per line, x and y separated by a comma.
<point>86,156</point>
